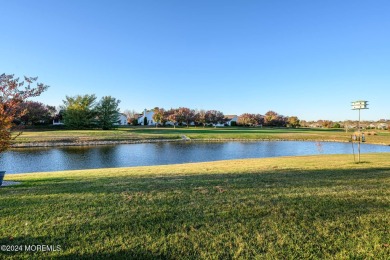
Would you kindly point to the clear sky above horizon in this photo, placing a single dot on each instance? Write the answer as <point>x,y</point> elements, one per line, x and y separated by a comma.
<point>296,57</point>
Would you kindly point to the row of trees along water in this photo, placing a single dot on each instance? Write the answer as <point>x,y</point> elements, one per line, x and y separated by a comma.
<point>84,111</point>
<point>187,116</point>
<point>36,113</point>
<point>201,117</point>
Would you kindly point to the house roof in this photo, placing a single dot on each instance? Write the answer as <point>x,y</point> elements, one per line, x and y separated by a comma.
<point>230,116</point>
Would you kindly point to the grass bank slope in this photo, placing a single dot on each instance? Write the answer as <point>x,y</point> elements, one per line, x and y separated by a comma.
<point>230,133</point>
<point>291,207</point>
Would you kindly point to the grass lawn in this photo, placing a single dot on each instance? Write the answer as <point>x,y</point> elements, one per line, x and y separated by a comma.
<point>143,133</point>
<point>276,208</point>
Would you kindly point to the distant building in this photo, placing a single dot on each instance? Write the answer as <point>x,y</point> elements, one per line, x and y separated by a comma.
<point>230,119</point>
<point>382,126</point>
<point>57,122</point>
<point>148,114</point>
<point>122,119</point>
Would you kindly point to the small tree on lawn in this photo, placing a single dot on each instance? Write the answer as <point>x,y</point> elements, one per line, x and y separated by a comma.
<point>215,117</point>
<point>259,119</point>
<point>247,119</point>
<point>107,112</point>
<point>293,122</point>
<point>185,115</point>
<point>159,115</point>
<point>172,116</point>
<point>12,94</point>
<point>336,125</point>
<point>303,123</point>
<point>327,123</point>
<point>271,118</point>
<point>201,117</point>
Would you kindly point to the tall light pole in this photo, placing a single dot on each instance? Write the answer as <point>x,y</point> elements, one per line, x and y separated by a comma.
<point>359,105</point>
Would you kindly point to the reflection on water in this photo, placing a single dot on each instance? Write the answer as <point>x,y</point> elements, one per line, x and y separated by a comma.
<point>89,157</point>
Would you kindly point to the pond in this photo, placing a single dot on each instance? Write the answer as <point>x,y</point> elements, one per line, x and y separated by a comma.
<point>25,160</point>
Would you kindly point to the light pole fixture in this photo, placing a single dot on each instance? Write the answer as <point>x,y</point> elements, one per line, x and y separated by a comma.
<point>359,105</point>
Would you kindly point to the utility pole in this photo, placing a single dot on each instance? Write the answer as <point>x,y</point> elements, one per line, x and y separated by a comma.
<point>359,105</point>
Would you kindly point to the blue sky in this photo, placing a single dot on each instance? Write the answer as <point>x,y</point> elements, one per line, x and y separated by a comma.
<point>304,58</point>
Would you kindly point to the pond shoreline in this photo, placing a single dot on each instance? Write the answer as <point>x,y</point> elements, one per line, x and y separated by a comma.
<point>98,143</point>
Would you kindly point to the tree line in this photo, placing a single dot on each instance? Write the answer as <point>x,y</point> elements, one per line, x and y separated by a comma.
<point>381,124</point>
<point>271,118</point>
<point>187,116</point>
<point>84,111</point>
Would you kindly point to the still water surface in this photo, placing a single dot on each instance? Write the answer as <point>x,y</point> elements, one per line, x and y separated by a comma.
<point>89,157</point>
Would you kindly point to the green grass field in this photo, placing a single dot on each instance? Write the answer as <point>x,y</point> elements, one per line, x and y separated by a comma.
<point>317,207</point>
<point>150,133</point>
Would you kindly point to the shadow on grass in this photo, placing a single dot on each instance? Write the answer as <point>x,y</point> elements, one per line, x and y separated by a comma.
<point>317,210</point>
<point>280,177</point>
<point>293,186</point>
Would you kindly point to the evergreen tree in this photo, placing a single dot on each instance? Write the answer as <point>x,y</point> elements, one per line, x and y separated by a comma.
<point>107,112</point>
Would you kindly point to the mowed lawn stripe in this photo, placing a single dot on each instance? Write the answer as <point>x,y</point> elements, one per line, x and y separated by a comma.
<point>290,207</point>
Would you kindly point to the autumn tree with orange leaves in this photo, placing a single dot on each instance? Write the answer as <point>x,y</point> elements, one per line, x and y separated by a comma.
<point>12,94</point>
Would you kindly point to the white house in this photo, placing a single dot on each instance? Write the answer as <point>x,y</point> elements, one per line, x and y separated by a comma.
<point>382,126</point>
<point>149,117</point>
<point>122,119</point>
<point>148,114</point>
<point>228,121</point>
<point>231,118</point>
